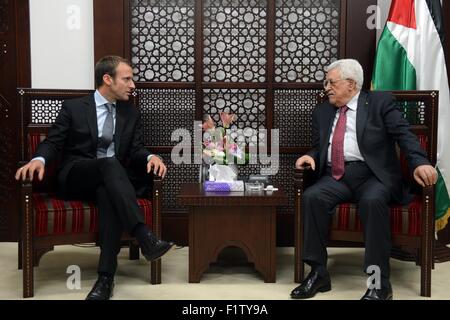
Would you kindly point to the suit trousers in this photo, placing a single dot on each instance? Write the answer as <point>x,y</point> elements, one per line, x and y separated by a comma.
<point>106,181</point>
<point>358,185</point>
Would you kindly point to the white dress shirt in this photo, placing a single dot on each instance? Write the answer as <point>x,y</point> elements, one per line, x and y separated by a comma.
<point>102,112</point>
<point>351,149</point>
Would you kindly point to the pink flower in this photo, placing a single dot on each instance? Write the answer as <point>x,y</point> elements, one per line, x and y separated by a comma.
<point>234,150</point>
<point>208,123</point>
<point>227,118</point>
<point>208,144</point>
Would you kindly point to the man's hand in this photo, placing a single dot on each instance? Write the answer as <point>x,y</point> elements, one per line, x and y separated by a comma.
<point>29,169</point>
<point>304,161</point>
<point>425,175</point>
<point>157,165</point>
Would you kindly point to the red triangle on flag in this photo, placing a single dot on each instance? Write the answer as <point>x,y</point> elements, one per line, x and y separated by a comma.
<point>402,12</point>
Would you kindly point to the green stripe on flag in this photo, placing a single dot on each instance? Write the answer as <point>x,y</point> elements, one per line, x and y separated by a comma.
<point>442,203</point>
<point>392,69</point>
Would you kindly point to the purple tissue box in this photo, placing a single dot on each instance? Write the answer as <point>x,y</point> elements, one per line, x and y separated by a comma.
<point>214,186</point>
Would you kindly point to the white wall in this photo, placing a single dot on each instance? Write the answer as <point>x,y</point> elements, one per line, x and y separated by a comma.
<point>62,44</point>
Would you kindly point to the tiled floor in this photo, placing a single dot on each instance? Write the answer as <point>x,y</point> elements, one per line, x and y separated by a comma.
<point>225,281</point>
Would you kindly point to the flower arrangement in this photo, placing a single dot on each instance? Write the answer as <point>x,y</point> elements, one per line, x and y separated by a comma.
<point>218,146</point>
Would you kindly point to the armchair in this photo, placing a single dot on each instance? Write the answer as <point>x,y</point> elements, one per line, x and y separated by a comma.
<point>412,225</point>
<point>47,221</point>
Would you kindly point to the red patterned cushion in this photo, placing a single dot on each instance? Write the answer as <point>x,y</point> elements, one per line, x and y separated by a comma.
<point>48,184</point>
<point>53,216</point>
<point>404,220</point>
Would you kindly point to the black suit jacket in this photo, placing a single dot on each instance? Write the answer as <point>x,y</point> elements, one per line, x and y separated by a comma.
<point>379,124</point>
<point>75,134</point>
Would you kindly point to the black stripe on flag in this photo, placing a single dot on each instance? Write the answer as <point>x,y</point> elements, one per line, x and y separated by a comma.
<point>435,8</point>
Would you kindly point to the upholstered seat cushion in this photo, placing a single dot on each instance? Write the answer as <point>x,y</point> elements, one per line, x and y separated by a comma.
<point>53,216</point>
<point>405,220</point>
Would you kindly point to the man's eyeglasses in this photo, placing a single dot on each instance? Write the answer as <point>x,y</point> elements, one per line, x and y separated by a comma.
<point>332,83</point>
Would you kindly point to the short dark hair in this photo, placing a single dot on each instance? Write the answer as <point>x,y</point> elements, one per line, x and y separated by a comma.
<point>107,65</point>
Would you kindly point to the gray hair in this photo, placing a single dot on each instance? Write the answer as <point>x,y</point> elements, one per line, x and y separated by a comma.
<point>349,69</point>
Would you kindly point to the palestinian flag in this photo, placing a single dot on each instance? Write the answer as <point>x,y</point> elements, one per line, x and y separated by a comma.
<point>410,56</point>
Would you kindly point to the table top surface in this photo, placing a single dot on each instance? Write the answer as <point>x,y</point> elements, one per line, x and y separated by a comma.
<point>193,193</point>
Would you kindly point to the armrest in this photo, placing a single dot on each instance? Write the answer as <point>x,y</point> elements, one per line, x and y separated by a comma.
<point>299,186</point>
<point>299,177</point>
<point>26,209</point>
<point>156,205</point>
<point>24,183</point>
<point>428,199</point>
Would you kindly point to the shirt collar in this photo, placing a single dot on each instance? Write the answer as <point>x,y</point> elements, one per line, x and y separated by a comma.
<point>353,103</point>
<point>100,100</point>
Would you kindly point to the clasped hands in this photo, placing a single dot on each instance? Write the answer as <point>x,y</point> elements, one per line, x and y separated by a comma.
<point>425,175</point>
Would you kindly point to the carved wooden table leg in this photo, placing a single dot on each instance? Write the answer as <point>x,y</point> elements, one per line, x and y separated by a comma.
<point>251,229</point>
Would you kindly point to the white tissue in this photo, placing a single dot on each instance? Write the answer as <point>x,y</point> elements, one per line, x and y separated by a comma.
<point>222,173</point>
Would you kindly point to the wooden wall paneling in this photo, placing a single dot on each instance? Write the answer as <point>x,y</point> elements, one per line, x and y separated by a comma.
<point>343,30</point>
<point>23,43</point>
<point>109,28</point>
<point>360,41</point>
<point>270,71</point>
<point>198,71</point>
<point>15,71</point>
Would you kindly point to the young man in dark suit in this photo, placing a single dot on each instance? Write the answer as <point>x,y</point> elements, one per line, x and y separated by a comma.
<point>99,136</point>
<point>354,136</point>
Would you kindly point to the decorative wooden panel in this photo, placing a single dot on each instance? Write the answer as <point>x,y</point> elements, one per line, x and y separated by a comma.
<point>292,115</point>
<point>284,178</point>
<point>7,165</point>
<point>45,111</point>
<point>176,175</point>
<point>249,105</point>
<point>163,111</point>
<point>413,111</point>
<point>162,40</point>
<point>306,39</point>
<point>4,16</point>
<point>235,40</point>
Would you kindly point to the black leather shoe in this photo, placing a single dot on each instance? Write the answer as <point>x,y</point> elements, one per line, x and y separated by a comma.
<point>378,294</point>
<point>152,248</point>
<point>311,285</point>
<point>103,289</point>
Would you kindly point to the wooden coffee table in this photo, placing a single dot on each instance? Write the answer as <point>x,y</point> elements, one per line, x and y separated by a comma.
<point>231,219</point>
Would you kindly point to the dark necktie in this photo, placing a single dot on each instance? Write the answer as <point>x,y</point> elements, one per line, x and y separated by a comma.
<point>107,132</point>
<point>337,145</point>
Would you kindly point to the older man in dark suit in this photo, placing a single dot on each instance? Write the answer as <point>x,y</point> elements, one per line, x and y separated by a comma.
<point>98,136</point>
<point>354,136</point>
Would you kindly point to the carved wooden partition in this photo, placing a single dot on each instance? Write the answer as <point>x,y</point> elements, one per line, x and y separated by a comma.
<point>260,59</point>
<point>14,72</point>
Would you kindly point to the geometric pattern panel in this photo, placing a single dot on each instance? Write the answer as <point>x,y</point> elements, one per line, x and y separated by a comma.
<point>284,178</point>
<point>8,165</point>
<point>3,16</point>
<point>306,39</point>
<point>163,111</point>
<point>162,40</point>
<point>247,104</point>
<point>413,111</point>
<point>292,116</point>
<point>44,111</point>
<point>176,176</point>
<point>235,40</point>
